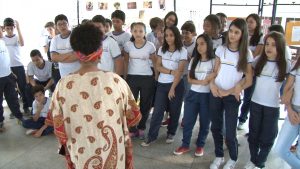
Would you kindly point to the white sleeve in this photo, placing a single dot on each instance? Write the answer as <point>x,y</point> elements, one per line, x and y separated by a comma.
<point>114,48</point>
<point>250,56</point>
<point>294,72</point>
<point>159,53</point>
<point>46,41</point>
<point>126,47</point>
<point>219,51</point>
<point>34,107</point>
<point>288,54</point>
<point>190,64</point>
<point>30,69</point>
<point>53,45</point>
<point>183,54</point>
<point>152,48</point>
<point>261,40</point>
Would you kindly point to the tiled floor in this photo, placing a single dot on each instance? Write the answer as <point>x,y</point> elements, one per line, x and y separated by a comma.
<point>18,151</point>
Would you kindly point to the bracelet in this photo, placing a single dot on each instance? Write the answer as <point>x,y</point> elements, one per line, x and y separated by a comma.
<point>170,72</point>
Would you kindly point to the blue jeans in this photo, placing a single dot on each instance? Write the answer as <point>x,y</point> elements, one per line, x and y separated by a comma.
<point>30,124</point>
<point>160,106</point>
<point>8,88</point>
<point>263,129</point>
<point>196,103</point>
<point>217,106</point>
<point>286,137</point>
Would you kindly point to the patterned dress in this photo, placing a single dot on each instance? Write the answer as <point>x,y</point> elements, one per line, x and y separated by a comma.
<point>91,114</point>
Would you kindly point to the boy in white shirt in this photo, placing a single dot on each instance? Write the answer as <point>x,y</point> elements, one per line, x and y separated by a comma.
<point>61,50</point>
<point>40,108</point>
<point>13,43</point>
<point>111,56</point>
<point>7,85</point>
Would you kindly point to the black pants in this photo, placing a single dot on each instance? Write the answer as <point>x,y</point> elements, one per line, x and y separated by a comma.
<point>8,88</point>
<point>143,85</point>
<point>19,71</point>
<point>55,73</point>
<point>263,129</point>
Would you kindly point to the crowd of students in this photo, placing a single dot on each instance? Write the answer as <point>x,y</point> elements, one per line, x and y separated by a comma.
<point>166,68</point>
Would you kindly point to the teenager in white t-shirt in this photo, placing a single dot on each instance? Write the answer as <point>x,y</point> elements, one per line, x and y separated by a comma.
<point>290,129</point>
<point>118,19</point>
<point>7,85</point>
<point>138,52</point>
<point>13,43</point>
<point>40,109</point>
<point>270,71</point>
<point>232,62</point>
<point>111,54</point>
<point>196,102</point>
<point>61,50</point>
<point>212,26</point>
<point>256,42</point>
<point>170,63</point>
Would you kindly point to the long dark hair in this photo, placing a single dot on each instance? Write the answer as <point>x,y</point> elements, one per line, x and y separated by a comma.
<point>132,26</point>
<point>280,59</point>
<point>257,31</point>
<point>169,14</point>
<point>243,43</point>
<point>197,56</point>
<point>177,41</point>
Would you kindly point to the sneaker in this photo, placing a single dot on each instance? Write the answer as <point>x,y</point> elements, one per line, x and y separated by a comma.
<point>141,134</point>
<point>146,143</point>
<point>216,163</point>
<point>199,152</point>
<point>181,150</point>
<point>241,126</point>
<point>30,131</point>
<point>165,123</point>
<point>250,165</point>
<point>170,139</point>
<point>229,164</point>
<point>2,127</point>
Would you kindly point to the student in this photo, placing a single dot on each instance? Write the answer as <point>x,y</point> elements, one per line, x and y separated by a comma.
<point>138,53</point>
<point>50,27</point>
<point>211,27</point>
<point>290,129</point>
<point>256,41</point>
<point>61,50</point>
<point>118,19</point>
<point>108,25</point>
<point>223,20</point>
<point>7,85</point>
<point>156,36</point>
<point>111,55</point>
<point>40,108</point>
<point>170,64</point>
<point>14,43</point>
<point>171,19</point>
<point>232,62</point>
<point>201,71</point>
<point>270,71</point>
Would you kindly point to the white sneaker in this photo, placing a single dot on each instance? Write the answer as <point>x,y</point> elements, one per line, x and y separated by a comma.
<point>250,165</point>
<point>30,131</point>
<point>241,126</point>
<point>216,163</point>
<point>229,164</point>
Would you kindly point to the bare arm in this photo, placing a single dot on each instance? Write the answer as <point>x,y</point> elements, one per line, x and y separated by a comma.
<point>213,87</point>
<point>153,57</point>
<point>64,58</point>
<point>126,62</point>
<point>49,84</point>
<point>118,65</point>
<point>21,40</point>
<point>31,80</point>
<point>177,77</point>
<point>288,90</point>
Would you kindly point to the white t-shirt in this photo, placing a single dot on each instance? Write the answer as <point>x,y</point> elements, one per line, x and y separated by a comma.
<point>139,58</point>
<point>267,90</point>
<point>170,60</point>
<point>13,46</point>
<point>152,38</point>
<point>296,95</point>
<point>4,60</point>
<point>217,42</point>
<point>260,42</point>
<point>41,75</point>
<point>202,70</point>
<point>45,109</point>
<point>228,76</point>
<point>110,52</point>
<point>190,49</point>
<point>121,38</point>
<point>62,45</point>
